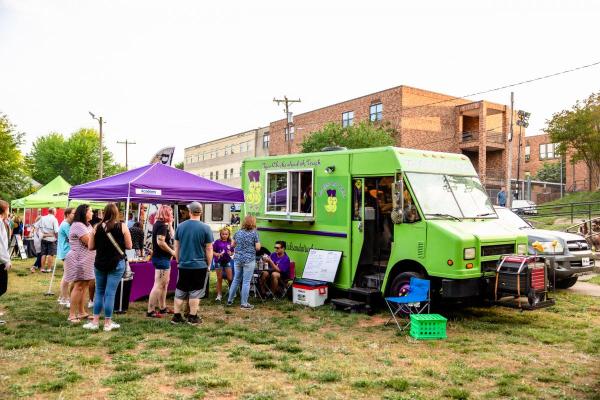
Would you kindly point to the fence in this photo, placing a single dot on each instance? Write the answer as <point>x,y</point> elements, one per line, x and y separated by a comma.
<point>586,210</point>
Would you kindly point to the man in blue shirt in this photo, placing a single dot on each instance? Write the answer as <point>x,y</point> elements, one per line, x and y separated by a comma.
<point>502,197</point>
<point>194,252</point>
<point>61,252</point>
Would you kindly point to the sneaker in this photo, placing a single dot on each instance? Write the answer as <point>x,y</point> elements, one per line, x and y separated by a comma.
<point>165,311</point>
<point>218,298</point>
<point>91,326</point>
<point>194,320</point>
<point>90,304</point>
<point>153,314</point>
<point>229,303</point>
<point>2,322</point>
<point>113,325</point>
<point>247,306</point>
<point>177,319</point>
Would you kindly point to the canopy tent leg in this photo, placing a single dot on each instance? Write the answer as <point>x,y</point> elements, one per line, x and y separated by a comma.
<point>127,209</point>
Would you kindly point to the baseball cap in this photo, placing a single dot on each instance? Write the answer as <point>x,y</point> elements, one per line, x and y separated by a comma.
<point>195,207</point>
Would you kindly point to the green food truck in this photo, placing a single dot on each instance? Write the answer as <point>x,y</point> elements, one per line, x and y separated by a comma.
<point>394,213</point>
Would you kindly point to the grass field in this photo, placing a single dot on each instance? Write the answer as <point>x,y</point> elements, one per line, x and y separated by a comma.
<point>281,351</point>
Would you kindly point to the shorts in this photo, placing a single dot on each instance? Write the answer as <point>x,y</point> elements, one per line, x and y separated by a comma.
<point>191,283</point>
<point>161,262</point>
<point>48,248</point>
<point>215,265</point>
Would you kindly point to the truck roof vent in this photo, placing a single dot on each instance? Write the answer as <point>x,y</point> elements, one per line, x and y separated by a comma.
<point>334,148</point>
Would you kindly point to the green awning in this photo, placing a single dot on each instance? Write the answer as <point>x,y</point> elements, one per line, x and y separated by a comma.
<point>54,194</point>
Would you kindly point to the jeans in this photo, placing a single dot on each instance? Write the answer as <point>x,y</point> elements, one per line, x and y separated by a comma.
<point>243,272</point>
<point>106,287</point>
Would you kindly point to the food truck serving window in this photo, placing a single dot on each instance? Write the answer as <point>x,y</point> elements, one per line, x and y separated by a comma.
<point>290,192</point>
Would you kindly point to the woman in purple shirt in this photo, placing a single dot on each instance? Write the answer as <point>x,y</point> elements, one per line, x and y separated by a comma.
<point>222,259</point>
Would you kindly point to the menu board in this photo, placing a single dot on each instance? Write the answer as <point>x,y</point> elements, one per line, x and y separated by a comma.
<point>322,265</point>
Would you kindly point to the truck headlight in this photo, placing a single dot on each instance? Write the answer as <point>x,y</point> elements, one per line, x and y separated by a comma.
<point>552,247</point>
<point>521,249</point>
<point>469,253</point>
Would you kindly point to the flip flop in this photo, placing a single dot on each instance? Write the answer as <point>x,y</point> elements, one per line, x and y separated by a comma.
<point>74,321</point>
<point>84,316</point>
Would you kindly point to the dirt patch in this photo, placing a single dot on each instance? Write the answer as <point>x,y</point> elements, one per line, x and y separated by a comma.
<point>373,321</point>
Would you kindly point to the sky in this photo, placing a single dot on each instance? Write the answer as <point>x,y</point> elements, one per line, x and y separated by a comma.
<point>179,73</point>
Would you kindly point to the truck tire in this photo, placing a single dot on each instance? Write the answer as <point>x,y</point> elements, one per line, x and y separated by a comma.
<point>566,283</point>
<point>402,280</point>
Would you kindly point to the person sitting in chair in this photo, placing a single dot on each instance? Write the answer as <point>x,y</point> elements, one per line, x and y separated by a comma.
<point>279,268</point>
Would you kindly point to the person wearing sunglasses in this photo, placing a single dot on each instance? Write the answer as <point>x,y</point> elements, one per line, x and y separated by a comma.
<point>279,268</point>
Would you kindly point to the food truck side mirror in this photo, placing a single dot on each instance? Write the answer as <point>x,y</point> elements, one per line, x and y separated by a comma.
<point>398,211</point>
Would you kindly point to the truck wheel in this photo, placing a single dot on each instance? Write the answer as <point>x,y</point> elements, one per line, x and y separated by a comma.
<point>566,283</point>
<point>402,281</point>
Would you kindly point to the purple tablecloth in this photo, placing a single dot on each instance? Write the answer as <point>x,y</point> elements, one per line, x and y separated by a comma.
<point>143,280</point>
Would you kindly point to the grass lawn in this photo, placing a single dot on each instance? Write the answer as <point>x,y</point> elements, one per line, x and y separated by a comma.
<point>595,280</point>
<point>281,351</point>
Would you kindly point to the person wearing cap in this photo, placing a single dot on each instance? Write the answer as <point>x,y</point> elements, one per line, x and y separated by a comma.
<point>194,253</point>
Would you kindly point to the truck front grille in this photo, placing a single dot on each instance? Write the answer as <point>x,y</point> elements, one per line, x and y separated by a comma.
<point>497,249</point>
<point>578,245</point>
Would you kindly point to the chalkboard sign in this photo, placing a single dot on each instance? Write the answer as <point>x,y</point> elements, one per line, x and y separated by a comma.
<point>322,265</point>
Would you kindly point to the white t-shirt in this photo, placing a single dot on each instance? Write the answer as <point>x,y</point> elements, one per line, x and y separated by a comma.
<point>49,224</point>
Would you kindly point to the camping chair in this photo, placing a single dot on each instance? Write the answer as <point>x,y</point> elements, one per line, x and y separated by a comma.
<point>415,302</point>
<point>287,284</point>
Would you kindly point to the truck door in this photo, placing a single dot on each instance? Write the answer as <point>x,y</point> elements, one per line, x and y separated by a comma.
<point>358,222</point>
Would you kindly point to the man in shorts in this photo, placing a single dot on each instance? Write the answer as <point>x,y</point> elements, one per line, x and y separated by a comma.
<point>194,253</point>
<point>279,269</point>
<point>49,228</point>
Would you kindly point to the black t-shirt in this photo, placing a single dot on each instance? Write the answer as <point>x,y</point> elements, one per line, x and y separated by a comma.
<point>161,229</point>
<point>107,257</point>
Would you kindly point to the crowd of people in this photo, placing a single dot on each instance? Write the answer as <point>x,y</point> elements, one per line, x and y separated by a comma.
<point>93,245</point>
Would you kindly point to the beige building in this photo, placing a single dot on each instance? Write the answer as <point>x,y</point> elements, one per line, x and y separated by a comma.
<point>220,160</point>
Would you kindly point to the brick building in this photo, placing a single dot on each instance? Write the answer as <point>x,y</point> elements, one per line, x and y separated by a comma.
<point>424,120</point>
<point>537,150</point>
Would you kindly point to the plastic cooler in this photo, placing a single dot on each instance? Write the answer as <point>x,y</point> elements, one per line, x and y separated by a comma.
<point>309,292</point>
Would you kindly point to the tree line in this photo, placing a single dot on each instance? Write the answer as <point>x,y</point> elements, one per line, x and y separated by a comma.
<point>74,157</point>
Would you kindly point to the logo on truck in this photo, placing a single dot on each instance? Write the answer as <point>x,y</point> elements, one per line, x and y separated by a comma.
<point>331,206</point>
<point>254,189</point>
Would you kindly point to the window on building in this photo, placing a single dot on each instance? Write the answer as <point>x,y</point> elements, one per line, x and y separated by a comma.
<point>548,151</point>
<point>347,119</point>
<point>292,131</point>
<point>266,140</point>
<point>231,173</point>
<point>527,153</point>
<point>376,112</point>
<point>217,212</point>
<point>290,191</point>
<point>216,175</point>
<point>211,176</point>
<point>225,173</point>
<point>226,151</point>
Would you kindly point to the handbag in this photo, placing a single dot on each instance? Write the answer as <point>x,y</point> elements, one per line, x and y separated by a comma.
<point>127,274</point>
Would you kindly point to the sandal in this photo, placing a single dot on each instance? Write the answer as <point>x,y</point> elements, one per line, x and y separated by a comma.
<point>85,316</point>
<point>74,321</point>
<point>33,270</point>
<point>153,314</point>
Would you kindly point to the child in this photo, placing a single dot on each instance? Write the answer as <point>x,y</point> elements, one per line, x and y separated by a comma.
<point>222,259</point>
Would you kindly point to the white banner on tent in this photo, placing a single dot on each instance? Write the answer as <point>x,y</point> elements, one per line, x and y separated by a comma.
<point>151,192</point>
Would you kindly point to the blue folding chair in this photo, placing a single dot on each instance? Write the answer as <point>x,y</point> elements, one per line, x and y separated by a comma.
<point>415,302</point>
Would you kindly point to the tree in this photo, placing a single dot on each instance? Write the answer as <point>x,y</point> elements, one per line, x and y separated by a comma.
<point>578,133</point>
<point>14,180</point>
<point>550,172</point>
<point>179,165</point>
<point>76,159</point>
<point>363,135</point>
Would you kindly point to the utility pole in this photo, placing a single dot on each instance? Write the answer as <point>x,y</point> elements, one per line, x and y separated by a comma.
<point>101,166</point>
<point>126,143</point>
<point>522,121</point>
<point>508,185</point>
<point>289,119</point>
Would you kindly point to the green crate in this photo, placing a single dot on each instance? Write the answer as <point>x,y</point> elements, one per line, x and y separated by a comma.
<point>428,326</point>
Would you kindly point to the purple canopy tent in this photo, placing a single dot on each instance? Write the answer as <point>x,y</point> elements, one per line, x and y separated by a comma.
<point>156,184</point>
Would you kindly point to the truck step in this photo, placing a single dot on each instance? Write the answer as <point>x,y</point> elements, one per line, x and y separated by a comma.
<point>363,291</point>
<point>374,280</point>
<point>352,306</point>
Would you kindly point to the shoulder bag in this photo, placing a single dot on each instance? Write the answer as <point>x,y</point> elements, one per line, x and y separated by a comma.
<point>127,274</point>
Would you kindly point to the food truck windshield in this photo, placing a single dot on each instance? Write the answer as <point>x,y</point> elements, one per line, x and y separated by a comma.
<point>451,196</point>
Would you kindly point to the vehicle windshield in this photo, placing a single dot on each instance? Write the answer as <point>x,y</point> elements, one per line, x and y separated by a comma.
<point>451,195</point>
<point>510,218</point>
